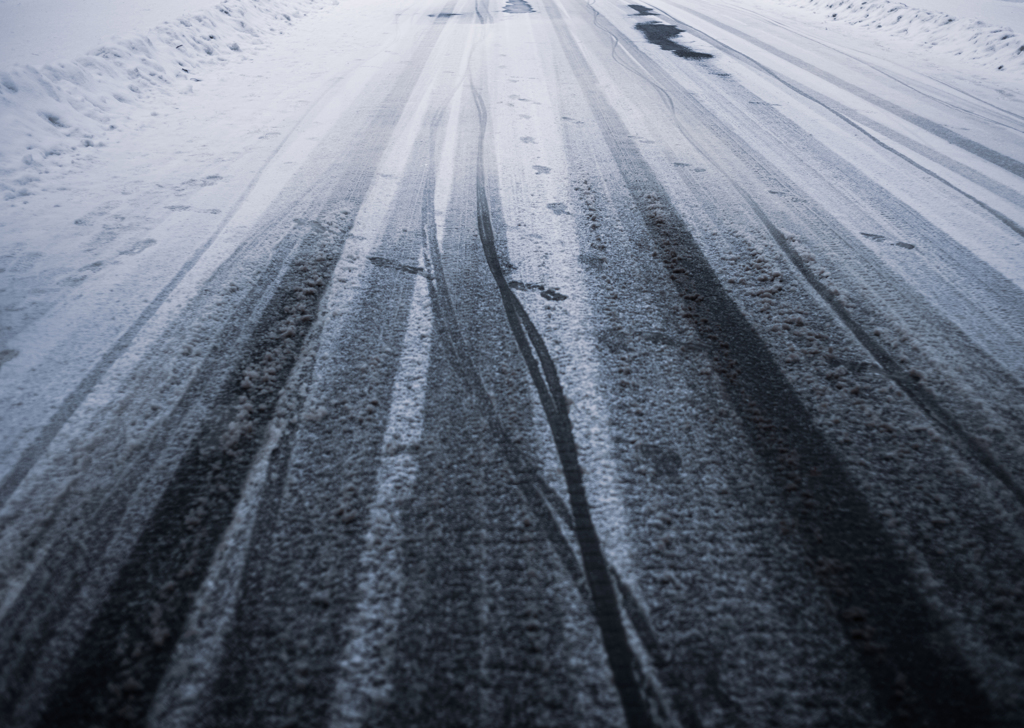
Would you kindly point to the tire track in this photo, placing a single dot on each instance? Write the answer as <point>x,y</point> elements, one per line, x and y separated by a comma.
<point>546,505</point>
<point>918,676</point>
<point>115,668</point>
<point>1013,166</point>
<point>506,460</point>
<point>918,393</point>
<point>848,116</point>
<point>623,663</point>
<point>44,623</point>
<point>304,568</point>
<point>123,654</point>
<point>364,683</point>
<point>73,401</point>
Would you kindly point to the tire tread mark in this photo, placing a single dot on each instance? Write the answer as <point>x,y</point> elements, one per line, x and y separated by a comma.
<point>918,393</point>
<point>543,501</point>
<point>30,623</point>
<point>810,96</point>
<point>1013,166</point>
<point>622,661</point>
<point>117,666</point>
<point>917,675</point>
<point>73,401</point>
<point>115,670</point>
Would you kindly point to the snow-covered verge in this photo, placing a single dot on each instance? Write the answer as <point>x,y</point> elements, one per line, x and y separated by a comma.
<point>54,114</point>
<point>995,46</point>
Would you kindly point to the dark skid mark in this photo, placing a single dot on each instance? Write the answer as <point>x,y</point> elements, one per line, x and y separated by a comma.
<point>444,15</point>
<point>128,645</point>
<point>550,294</point>
<point>558,208</point>
<point>641,10</point>
<point>394,265</point>
<point>520,286</point>
<point>625,667</point>
<point>540,169</point>
<point>918,676</point>
<point>661,35</point>
<point>517,6</point>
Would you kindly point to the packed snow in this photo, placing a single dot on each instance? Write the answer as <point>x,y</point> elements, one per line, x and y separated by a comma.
<point>137,156</point>
<point>72,74</point>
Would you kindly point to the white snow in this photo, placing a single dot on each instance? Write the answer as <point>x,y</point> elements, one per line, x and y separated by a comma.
<point>1007,13</point>
<point>990,32</point>
<point>55,104</point>
<point>94,233</point>
<point>36,32</point>
<point>136,136</point>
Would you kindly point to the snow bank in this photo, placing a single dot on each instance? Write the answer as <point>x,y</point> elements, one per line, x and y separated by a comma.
<point>50,114</point>
<point>36,32</point>
<point>995,46</point>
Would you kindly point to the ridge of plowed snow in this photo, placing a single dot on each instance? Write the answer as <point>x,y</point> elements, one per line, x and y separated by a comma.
<point>995,46</point>
<point>49,113</point>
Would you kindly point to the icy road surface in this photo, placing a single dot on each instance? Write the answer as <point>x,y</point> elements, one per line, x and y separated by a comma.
<point>549,363</point>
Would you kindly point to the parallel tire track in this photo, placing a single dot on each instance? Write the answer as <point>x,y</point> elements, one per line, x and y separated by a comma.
<point>546,506</point>
<point>116,667</point>
<point>918,393</point>
<point>302,570</point>
<point>50,595</point>
<point>832,109</point>
<point>623,662</point>
<point>918,676</point>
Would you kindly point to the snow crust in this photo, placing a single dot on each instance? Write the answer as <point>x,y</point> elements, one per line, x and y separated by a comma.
<point>980,32</point>
<point>36,32</point>
<point>52,112</point>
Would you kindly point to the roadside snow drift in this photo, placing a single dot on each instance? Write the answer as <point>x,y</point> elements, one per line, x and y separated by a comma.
<point>995,46</point>
<point>49,112</point>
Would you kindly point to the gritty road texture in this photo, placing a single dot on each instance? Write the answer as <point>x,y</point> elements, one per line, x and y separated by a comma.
<point>605,364</point>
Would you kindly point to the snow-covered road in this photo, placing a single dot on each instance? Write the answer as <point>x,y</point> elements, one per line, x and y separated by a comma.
<point>479,363</point>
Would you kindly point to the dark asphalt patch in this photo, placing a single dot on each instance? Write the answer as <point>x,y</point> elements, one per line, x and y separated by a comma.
<point>517,6</point>
<point>641,10</point>
<point>550,294</point>
<point>520,286</point>
<point>661,35</point>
